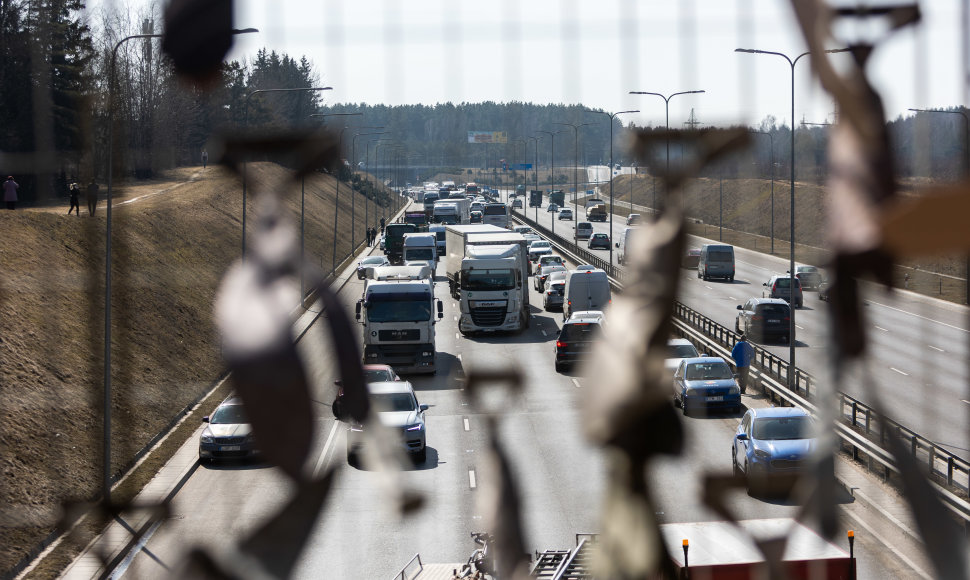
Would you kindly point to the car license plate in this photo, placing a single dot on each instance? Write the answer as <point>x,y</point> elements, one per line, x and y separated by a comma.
<point>714,399</point>
<point>229,448</point>
<point>774,321</point>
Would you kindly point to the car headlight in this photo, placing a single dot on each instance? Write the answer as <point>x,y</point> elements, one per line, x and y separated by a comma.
<point>762,454</point>
<point>416,427</point>
<point>356,427</point>
<point>250,438</point>
<point>427,353</point>
<point>734,390</point>
<point>207,436</point>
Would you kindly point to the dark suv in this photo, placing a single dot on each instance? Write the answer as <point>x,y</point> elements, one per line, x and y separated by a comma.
<point>576,338</point>
<point>778,287</point>
<point>764,318</point>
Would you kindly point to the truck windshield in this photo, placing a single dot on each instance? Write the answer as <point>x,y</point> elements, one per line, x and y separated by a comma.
<point>482,280</point>
<point>399,307</point>
<point>446,219</point>
<point>419,254</point>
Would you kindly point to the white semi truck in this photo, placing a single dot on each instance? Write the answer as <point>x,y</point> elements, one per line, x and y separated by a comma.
<point>399,312</point>
<point>451,211</point>
<point>493,293</point>
<point>421,249</point>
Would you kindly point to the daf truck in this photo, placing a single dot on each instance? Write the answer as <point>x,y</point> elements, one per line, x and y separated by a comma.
<point>491,290</point>
<point>455,242</point>
<point>399,312</point>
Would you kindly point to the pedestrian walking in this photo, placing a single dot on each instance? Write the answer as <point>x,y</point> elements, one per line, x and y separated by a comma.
<point>370,236</point>
<point>10,188</point>
<point>75,193</point>
<point>743,354</point>
<point>205,158</point>
<point>382,225</point>
<point>92,196</point>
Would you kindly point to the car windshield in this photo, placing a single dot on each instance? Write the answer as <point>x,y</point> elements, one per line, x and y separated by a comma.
<point>480,279</point>
<point>681,351</point>
<point>399,308</point>
<point>550,260</point>
<point>393,402</point>
<point>712,371</point>
<point>229,414</point>
<point>781,428</point>
<point>599,236</point>
<point>378,375</point>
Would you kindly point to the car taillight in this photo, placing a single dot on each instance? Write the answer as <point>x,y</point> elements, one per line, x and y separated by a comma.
<point>757,317</point>
<point>787,318</point>
<point>560,344</point>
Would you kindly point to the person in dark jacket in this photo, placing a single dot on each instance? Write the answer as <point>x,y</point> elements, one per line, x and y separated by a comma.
<point>92,196</point>
<point>743,354</point>
<point>10,188</point>
<point>75,193</point>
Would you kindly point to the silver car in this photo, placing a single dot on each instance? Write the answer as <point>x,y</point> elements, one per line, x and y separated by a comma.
<point>397,409</point>
<point>552,297</point>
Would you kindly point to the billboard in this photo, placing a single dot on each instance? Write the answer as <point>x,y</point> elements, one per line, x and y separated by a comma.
<point>488,137</point>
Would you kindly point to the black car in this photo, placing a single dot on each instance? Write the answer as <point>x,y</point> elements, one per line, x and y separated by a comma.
<point>599,241</point>
<point>576,338</point>
<point>764,319</point>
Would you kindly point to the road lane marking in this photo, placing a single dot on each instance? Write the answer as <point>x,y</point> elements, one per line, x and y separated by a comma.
<point>471,479</point>
<point>799,327</point>
<point>965,401</point>
<point>928,319</point>
<point>880,328</point>
<point>457,336</point>
<point>464,421</point>
<point>326,449</point>
<point>936,348</point>
<point>576,382</point>
<point>731,298</point>
<point>899,371</point>
<point>887,543</point>
<point>708,287</point>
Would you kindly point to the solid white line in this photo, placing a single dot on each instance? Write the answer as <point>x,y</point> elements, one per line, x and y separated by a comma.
<point>471,479</point>
<point>936,348</point>
<point>899,371</point>
<point>464,421</point>
<point>576,382</point>
<point>965,401</point>
<point>880,328</point>
<point>886,543</point>
<point>918,316</point>
<point>326,449</point>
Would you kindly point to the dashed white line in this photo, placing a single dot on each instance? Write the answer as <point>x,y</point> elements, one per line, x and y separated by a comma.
<point>464,421</point>
<point>576,383</point>
<point>708,287</point>
<point>799,327</point>
<point>936,348</point>
<point>899,371</point>
<point>457,336</point>
<point>471,479</point>
<point>880,328</point>
<point>918,316</point>
<point>731,298</point>
<point>326,449</point>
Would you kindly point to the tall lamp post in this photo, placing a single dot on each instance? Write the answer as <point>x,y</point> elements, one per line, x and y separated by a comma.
<point>966,161</point>
<point>611,116</point>
<point>336,197</point>
<point>535,171</point>
<point>246,125</point>
<point>791,257</point>
<point>376,143</point>
<point>106,435</point>
<point>667,122</point>
<point>353,207</point>
<point>552,172</point>
<point>771,156</point>
<point>576,178</point>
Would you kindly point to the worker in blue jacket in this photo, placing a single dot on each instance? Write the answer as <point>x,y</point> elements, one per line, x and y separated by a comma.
<point>742,354</point>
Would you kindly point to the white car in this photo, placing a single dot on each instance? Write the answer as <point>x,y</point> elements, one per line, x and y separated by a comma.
<point>397,409</point>
<point>677,350</point>
<point>539,248</point>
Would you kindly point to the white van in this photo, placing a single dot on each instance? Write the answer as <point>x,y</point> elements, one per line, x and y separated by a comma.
<point>584,230</point>
<point>587,288</point>
<point>624,244</point>
<point>716,261</point>
<point>420,249</point>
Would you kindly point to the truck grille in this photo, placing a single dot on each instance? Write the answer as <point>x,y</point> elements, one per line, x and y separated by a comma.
<point>402,334</point>
<point>493,316</point>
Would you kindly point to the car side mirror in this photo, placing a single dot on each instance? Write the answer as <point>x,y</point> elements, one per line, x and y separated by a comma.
<point>441,309</point>
<point>357,310</point>
<point>742,437</point>
<point>739,307</point>
<point>423,408</point>
<point>205,419</point>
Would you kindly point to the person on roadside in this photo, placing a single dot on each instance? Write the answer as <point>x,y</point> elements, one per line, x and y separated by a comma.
<point>205,158</point>
<point>10,188</point>
<point>743,354</point>
<point>382,225</point>
<point>75,192</point>
<point>92,196</point>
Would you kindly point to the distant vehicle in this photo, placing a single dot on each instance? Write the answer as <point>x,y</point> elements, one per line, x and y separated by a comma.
<point>228,434</point>
<point>566,214</point>
<point>716,261</point>
<point>551,259</point>
<point>809,277</point>
<point>633,219</point>
<point>520,190</point>
<point>596,213</point>
<point>539,248</point>
<point>706,383</point>
<point>523,230</point>
<point>763,319</point>
<point>553,295</point>
<point>475,217</point>
<point>691,258</point>
<point>542,274</point>
<point>584,230</point>
<point>370,262</point>
<point>516,204</point>
<point>623,245</point>
<point>472,188</point>
<point>576,338</point>
<point>557,197</point>
<point>476,206</point>
<point>397,408</point>
<point>823,291</point>
<point>552,208</point>
<point>599,241</point>
<point>678,349</point>
<point>587,288</point>
<point>496,214</point>
<point>535,198</point>
<point>772,446</point>
<point>779,287</point>
<point>379,374</point>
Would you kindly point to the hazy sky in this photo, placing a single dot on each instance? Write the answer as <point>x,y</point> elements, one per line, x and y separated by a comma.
<point>594,52</point>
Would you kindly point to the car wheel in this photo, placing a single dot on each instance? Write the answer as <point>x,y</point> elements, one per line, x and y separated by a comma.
<point>559,367</point>
<point>731,279</point>
<point>421,456</point>
<point>737,326</point>
<point>698,273</point>
<point>351,458</point>
<point>734,463</point>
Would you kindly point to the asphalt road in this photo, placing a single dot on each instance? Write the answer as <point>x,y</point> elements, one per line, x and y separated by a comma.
<point>561,475</point>
<point>918,351</point>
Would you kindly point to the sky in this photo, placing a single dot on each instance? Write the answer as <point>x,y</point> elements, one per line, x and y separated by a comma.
<point>595,52</point>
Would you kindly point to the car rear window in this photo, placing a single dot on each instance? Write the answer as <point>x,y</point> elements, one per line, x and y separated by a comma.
<point>719,256</point>
<point>773,310</point>
<point>579,331</point>
<point>681,351</point>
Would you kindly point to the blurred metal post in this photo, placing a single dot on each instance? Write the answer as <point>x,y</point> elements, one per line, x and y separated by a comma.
<point>552,173</point>
<point>771,157</point>
<point>576,184</point>
<point>353,200</point>
<point>667,108</point>
<point>611,116</point>
<point>336,200</point>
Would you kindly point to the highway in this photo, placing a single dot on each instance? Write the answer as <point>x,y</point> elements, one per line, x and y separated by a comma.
<point>917,358</point>
<point>560,475</point>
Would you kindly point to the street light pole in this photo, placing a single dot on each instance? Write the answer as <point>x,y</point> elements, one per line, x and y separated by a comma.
<point>576,178</point>
<point>552,173</point>
<point>966,163</point>
<point>791,236</point>
<point>353,200</point>
<point>611,116</point>
<point>336,200</point>
<point>667,108</point>
<point>246,125</point>
<point>771,157</point>
<point>106,434</point>
<point>375,143</point>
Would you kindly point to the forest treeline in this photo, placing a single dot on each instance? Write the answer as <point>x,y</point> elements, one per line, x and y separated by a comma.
<point>54,114</point>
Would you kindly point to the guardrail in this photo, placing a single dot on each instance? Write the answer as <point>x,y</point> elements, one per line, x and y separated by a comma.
<point>402,575</point>
<point>858,427</point>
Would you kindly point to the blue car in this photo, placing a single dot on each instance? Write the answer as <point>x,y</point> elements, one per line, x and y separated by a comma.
<point>706,384</point>
<point>772,445</point>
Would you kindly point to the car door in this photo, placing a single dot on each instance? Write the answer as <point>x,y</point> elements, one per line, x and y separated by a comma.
<point>679,380</point>
<point>741,447</point>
